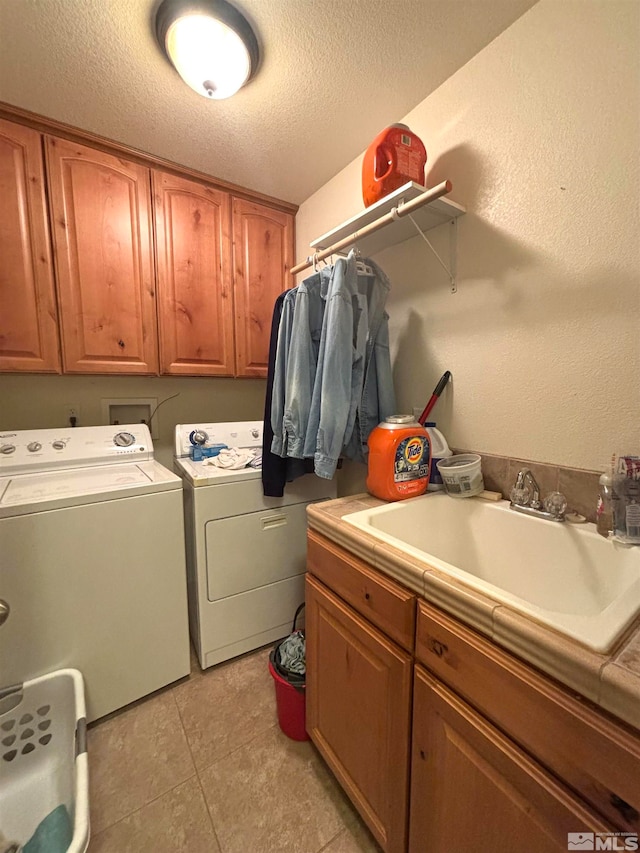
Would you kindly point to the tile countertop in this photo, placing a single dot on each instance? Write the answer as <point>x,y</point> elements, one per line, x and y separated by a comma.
<point>610,680</point>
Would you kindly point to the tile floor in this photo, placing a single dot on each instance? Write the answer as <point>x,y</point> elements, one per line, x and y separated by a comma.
<point>202,767</point>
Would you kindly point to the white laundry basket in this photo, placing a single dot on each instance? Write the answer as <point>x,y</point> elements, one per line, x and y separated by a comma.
<point>43,757</point>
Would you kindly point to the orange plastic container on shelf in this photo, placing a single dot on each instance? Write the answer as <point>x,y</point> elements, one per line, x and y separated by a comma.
<point>395,157</point>
<point>399,459</point>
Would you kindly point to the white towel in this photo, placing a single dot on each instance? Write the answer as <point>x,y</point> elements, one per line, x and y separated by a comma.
<point>233,458</point>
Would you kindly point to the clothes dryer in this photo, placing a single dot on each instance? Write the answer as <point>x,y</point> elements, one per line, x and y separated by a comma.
<point>246,553</point>
<point>92,565</point>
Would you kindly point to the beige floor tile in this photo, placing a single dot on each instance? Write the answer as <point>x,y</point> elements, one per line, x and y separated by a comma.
<point>177,822</point>
<point>274,795</point>
<point>227,706</point>
<point>135,757</point>
<point>356,838</point>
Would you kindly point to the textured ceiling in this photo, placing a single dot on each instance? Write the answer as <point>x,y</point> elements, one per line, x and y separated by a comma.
<point>333,74</point>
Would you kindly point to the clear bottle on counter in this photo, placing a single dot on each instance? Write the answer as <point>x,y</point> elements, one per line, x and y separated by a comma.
<point>604,511</point>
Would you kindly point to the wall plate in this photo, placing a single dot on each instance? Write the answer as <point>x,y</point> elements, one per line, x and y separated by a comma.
<point>131,410</point>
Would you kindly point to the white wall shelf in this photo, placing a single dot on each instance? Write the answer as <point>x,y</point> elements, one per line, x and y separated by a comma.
<point>432,214</point>
<point>410,210</point>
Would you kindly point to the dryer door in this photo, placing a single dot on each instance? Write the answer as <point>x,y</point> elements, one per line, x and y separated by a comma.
<point>249,551</point>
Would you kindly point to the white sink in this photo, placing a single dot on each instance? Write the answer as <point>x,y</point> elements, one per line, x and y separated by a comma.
<point>563,575</point>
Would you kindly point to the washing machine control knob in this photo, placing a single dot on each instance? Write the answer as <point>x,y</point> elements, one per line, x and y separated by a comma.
<point>123,439</point>
<point>198,437</point>
<point>255,433</point>
<point>7,449</point>
<point>34,446</point>
<point>58,444</point>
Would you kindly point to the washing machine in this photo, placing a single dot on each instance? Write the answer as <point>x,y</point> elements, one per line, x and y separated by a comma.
<point>92,565</point>
<point>246,553</point>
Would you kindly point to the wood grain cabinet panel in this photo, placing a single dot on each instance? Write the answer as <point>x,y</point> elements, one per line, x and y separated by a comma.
<point>262,257</point>
<point>382,601</point>
<point>103,242</point>
<point>358,711</point>
<point>195,305</point>
<point>473,789</point>
<point>28,314</point>
<point>596,756</point>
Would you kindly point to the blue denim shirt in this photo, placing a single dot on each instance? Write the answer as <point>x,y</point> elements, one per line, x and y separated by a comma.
<point>353,388</point>
<point>295,366</point>
<point>334,382</point>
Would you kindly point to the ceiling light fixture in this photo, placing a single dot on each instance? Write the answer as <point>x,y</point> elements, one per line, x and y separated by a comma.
<point>210,43</point>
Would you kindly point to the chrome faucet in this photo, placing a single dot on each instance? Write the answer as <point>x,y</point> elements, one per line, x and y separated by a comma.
<point>525,478</point>
<point>525,497</point>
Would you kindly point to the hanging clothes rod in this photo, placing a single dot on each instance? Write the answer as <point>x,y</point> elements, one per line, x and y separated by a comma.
<point>395,213</point>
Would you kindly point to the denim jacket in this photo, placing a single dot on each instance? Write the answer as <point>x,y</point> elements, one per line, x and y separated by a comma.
<point>333,382</point>
<point>353,388</point>
<point>296,360</point>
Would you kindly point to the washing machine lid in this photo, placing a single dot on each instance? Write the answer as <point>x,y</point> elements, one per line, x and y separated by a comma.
<point>55,489</point>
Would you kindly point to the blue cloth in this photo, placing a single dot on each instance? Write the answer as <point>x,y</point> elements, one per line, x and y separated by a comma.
<point>300,340</point>
<point>353,388</point>
<point>333,382</point>
<point>53,835</point>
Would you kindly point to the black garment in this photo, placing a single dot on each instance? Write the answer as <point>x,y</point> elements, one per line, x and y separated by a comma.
<point>276,470</point>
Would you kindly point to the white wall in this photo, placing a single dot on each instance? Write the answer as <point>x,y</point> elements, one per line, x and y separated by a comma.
<point>539,134</point>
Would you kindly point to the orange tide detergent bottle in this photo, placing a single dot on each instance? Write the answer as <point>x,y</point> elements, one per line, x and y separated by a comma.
<point>395,157</point>
<point>399,459</point>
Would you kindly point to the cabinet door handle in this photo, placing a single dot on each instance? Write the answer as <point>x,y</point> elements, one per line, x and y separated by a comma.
<point>437,647</point>
<point>626,809</point>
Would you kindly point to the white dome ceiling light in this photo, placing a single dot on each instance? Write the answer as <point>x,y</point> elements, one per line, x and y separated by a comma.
<point>210,43</point>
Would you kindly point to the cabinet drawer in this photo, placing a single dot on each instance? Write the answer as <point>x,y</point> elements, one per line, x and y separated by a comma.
<point>597,757</point>
<point>383,602</point>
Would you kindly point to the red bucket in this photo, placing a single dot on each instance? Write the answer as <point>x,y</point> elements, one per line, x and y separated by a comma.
<point>291,707</point>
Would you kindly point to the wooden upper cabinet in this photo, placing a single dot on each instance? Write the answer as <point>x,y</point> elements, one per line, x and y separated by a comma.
<point>262,258</point>
<point>195,305</point>
<point>28,317</point>
<point>100,211</point>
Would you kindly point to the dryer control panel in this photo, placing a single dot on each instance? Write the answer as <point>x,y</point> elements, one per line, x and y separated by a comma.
<point>31,450</point>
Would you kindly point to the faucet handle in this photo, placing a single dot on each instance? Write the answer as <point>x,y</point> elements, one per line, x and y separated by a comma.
<point>556,504</point>
<point>520,495</point>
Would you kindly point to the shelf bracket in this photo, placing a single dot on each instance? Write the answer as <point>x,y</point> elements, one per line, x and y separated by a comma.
<point>451,270</point>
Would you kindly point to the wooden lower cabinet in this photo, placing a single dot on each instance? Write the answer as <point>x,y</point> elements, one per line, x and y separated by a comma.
<point>472,789</point>
<point>451,744</point>
<point>358,711</point>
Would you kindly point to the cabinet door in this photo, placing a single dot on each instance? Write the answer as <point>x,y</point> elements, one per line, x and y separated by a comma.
<point>358,711</point>
<point>28,316</point>
<point>102,236</point>
<point>262,257</point>
<point>473,789</point>
<point>195,310</point>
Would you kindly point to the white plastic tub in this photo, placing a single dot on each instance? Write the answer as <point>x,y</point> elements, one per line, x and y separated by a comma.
<point>462,475</point>
<point>43,758</point>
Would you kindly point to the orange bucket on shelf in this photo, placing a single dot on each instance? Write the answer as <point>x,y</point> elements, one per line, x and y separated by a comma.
<point>395,157</point>
<point>399,459</point>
